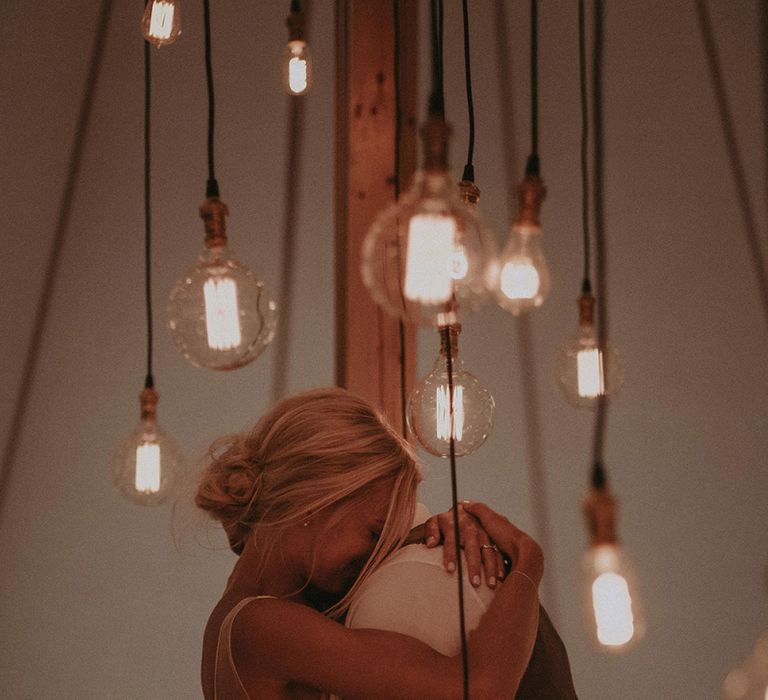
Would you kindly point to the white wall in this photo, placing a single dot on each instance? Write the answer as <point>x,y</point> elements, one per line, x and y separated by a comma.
<point>98,602</point>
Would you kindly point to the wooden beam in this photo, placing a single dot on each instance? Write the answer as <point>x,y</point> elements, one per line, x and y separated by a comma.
<point>374,356</point>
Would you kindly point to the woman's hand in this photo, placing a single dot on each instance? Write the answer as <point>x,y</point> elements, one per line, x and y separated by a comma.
<point>521,549</point>
<point>479,551</point>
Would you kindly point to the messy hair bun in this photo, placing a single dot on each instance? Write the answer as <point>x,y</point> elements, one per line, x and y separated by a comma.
<point>308,452</point>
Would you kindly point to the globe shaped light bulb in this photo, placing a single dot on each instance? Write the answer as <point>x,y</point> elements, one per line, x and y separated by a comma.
<point>161,22</point>
<point>220,314</point>
<point>148,464</point>
<point>429,409</point>
<point>585,371</point>
<point>428,258</point>
<point>614,614</point>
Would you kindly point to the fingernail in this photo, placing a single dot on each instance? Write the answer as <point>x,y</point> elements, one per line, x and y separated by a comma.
<point>431,541</point>
<point>451,566</point>
<point>492,582</point>
<point>475,580</point>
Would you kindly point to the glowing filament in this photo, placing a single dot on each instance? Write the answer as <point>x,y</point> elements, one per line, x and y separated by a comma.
<point>147,478</point>
<point>591,380</point>
<point>429,259</point>
<point>297,75</point>
<point>613,609</point>
<point>520,280</point>
<point>443,413</point>
<point>222,318</point>
<point>161,20</point>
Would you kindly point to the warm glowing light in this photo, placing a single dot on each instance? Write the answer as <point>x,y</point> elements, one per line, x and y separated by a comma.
<point>297,75</point>
<point>222,319</point>
<point>161,20</point>
<point>519,280</point>
<point>147,468</point>
<point>613,609</point>
<point>443,413</point>
<point>590,373</point>
<point>429,259</point>
<point>459,263</point>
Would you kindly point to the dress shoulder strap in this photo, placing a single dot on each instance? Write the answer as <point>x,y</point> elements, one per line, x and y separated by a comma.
<point>226,681</point>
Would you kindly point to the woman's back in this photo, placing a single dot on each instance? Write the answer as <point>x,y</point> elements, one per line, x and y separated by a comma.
<point>220,677</point>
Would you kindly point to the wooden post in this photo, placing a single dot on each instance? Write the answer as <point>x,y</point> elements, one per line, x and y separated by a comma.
<point>373,359</point>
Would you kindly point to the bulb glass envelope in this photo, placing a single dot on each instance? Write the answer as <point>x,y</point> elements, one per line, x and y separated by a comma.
<point>161,22</point>
<point>429,259</point>
<point>429,415</point>
<point>297,67</point>
<point>585,372</point>
<point>147,465</point>
<point>524,279</point>
<point>220,314</point>
<point>613,609</point>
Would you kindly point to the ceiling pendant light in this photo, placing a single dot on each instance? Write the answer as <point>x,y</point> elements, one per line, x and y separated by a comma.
<point>297,58</point>
<point>161,22</point>
<point>220,314</point>
<point>429,414</point>
<point>585,369</point>
<point>147,464</point>
<point>612,603</point>
<point>523,274</point>
<point>428,258</point>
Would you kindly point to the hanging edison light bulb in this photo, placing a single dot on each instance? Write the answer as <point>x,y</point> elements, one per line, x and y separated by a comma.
<point>585,371</point>
<point>429,406</point>
<point>220,314</point>
<point>148,463</point>
<point>161,22</point>
<point>523,274</point>
<point>612,604</point>
<point>297,58</point>
<point>428,258</point>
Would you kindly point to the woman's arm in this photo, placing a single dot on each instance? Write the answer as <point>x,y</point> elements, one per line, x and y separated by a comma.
<point>274,638</point>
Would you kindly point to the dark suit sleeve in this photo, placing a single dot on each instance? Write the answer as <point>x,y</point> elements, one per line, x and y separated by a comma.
<point>548,676</point>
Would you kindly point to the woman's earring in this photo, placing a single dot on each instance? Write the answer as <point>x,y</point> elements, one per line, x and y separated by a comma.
<point>305,523</point>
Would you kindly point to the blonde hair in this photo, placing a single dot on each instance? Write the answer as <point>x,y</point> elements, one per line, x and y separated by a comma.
<point>321,448</point>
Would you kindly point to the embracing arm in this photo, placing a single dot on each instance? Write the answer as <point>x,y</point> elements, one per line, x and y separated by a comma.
<point>277,639</point>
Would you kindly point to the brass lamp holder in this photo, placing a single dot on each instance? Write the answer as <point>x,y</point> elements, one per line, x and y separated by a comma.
<point>469,193</point>
<point>530,193</point>
<point>214,213</point>
<point>586,309</point>
<point>600,512</point>
<point>453,336</point>
<point>148,399</point>
<point>435,135</point>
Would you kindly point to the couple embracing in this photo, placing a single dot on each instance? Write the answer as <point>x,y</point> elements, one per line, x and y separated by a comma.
<point>335,594</point>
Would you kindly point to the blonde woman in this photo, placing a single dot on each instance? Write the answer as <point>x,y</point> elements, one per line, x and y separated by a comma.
<point>313,499</point>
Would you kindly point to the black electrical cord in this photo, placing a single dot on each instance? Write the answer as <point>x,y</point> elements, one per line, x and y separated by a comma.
<point>446,331</point>
<point>586,286</point>
<point>397,175</point>
<point>149,382</point>
<point>469,170</point>
<point>212,187</point>
<point>436,106</point>
<point>533,167</point>
<point>437,109</point>
<point>599,218</point>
